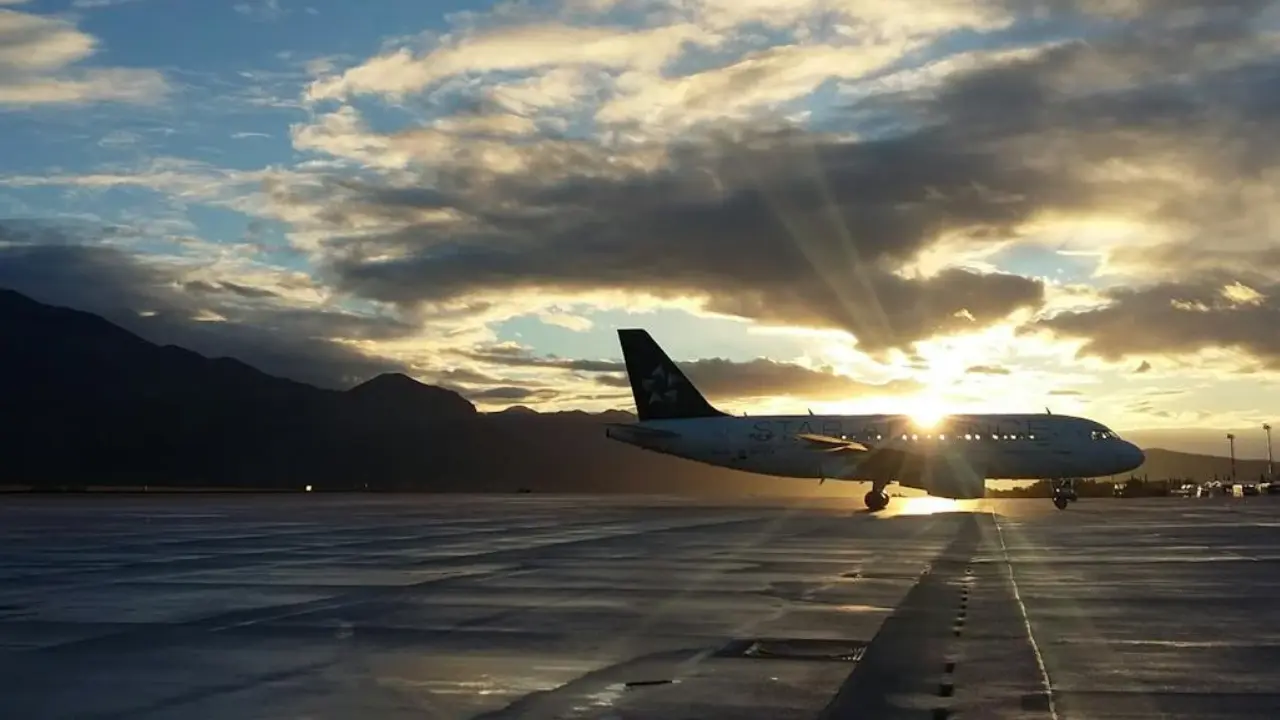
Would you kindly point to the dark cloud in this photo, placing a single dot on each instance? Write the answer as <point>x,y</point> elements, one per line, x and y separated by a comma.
<point>779,250</point>
<point>515,356</point>
<point>1066,393</point>
<point>719,378</point>
<point>761,377</point>
<point>1150,12</point>
<point>1143,367</point>
<point>510,393</point>
<point>466,377</point>
<point>220,288</point>
<point>1183,259</point>
<point>1178,318</point>
<point>292,342</point>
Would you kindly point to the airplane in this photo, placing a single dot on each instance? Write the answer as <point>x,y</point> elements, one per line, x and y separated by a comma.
<point>951,459</point>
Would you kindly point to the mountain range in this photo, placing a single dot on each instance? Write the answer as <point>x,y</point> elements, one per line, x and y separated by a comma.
<point>87,403</point>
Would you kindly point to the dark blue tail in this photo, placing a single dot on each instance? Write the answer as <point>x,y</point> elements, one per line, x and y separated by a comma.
<point>661,391</point>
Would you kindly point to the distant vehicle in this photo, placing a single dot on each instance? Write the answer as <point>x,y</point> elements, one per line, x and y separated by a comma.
<point>950,459</point>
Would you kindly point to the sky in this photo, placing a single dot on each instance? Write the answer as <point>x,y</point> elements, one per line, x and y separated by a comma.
<point>836,205</point>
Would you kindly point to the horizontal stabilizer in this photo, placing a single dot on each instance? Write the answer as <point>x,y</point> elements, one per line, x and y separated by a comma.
<point>833,443</point>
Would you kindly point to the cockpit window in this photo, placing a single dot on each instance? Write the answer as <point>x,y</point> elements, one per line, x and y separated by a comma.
<point>1103,434</point>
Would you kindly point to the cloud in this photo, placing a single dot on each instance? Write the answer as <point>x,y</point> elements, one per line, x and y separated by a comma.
<point>511,394</point>
<point>528,47</point>
<point>1179,319</point>
<point>261,10</point>
<point>587,34</point>
<point>717,378</point>
<point>169,303</point>
<point>859,19</point>
<point>179,177</point>
<point>988,370</point>
<point>788,225</point>
<point>751,227</point>
<point>38,55</point>
<point>91,4</point>
<point>763,79</point>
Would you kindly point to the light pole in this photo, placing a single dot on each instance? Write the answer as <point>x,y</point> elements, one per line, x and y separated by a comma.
<point>1231,438</point>
<point>1271,471</point>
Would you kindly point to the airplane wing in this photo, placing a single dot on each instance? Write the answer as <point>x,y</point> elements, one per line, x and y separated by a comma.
<point>833,444</point>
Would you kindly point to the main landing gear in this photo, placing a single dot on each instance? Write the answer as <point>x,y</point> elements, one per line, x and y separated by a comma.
<point>1064,493</point>
<point>876,499</point>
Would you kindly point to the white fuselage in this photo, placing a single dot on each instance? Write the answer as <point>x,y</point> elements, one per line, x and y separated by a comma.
<point>945,458</point>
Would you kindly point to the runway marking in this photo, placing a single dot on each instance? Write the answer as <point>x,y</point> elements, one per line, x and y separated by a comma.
<point>1026,621</point>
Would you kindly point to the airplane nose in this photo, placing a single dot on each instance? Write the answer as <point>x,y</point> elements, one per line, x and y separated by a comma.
<point>1132,455</point>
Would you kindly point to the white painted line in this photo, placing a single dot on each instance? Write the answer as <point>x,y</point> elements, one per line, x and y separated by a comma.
<point>1026,621</point>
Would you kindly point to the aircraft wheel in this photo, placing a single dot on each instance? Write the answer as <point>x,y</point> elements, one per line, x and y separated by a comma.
<point>1061,502</point>
<point>876,501</point>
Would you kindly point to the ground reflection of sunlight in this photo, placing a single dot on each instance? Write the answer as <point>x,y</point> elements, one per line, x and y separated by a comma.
<point>927,505</point>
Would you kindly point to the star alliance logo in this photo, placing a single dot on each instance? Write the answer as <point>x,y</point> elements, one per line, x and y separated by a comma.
<point>662,386</point>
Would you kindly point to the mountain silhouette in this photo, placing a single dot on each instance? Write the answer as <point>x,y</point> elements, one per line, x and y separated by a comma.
<point>85,403</point>
<point>1162,464</point>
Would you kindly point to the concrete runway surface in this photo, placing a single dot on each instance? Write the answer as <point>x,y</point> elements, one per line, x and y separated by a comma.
<point>312,606</point>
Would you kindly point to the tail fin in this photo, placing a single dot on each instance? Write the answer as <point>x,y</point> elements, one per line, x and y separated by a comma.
<point>661,391</point>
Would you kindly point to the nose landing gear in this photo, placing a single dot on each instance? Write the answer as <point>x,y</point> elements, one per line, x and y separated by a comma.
<point>1064,493</point>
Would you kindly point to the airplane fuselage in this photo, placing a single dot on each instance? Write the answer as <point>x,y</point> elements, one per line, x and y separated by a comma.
<point>950,458</point>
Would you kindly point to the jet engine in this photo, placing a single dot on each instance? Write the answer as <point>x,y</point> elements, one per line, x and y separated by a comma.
<point>939,475</point>
<point>957,486</point>
<point>961,485</point>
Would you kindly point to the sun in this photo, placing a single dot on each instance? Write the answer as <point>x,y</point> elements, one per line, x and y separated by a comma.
<point>926,412</point>
<point>926,419</point>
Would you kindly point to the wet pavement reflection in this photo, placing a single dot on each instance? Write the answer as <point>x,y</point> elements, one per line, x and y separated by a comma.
<point>592,607</point>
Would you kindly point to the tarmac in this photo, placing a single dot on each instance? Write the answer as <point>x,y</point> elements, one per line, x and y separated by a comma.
<point>529,606</point>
